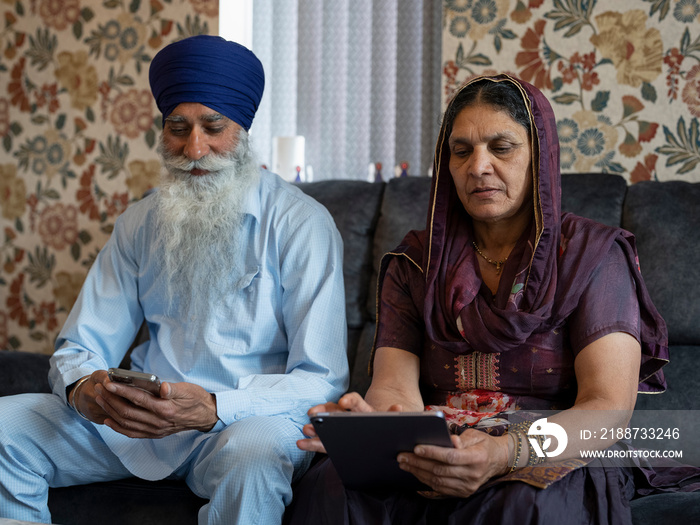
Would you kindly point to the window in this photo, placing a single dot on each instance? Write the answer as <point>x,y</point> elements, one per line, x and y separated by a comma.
<point>359,79</point>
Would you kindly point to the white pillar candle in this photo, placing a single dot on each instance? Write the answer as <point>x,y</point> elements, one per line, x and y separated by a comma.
<point>287,156</point>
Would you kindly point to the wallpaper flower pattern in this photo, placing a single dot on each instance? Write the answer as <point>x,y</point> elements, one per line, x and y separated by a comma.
<point>78,125</point>
<point>78,128</point>
<point>623,77</point>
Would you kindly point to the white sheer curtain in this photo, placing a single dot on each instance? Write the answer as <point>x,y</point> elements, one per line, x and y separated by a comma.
<point>359,79</point>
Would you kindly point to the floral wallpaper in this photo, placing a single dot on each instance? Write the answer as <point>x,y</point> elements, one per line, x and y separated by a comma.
<point>78,125</point>
<point>78,128</point>
<point>623,77</point>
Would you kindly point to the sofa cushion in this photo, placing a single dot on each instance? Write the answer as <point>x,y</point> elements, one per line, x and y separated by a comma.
<point>597,196</point>
<point>660,509</point>
<point>682,382</point>
<point>354,337</point>
<point>359,373</point>
<point>129,500</point>
<point>355,208</point>
<point>664,217</point>
<point>23,372</point>
<point>404,208</point>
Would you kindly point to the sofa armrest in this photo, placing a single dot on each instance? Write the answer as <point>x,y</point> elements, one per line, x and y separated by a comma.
<point>22,372</point>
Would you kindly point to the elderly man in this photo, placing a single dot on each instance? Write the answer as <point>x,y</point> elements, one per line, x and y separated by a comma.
<point>238,276</point>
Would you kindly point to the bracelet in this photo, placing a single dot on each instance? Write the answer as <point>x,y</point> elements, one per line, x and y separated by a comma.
<point>533,458</point>
<point>520,429</point>
<point>518,450</point>
<point>75,393</point>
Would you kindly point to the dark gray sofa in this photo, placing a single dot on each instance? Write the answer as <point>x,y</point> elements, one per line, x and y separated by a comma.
<point>372,218</point>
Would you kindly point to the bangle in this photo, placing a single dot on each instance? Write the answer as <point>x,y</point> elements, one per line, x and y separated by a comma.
<point>518,450</point>
<point>522,427</point>
<point>72,403</point>
<point>521,430</point>
<point>533,458</point>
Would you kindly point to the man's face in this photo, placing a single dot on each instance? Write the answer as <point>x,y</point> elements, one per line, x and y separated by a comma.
<point>209,171</point>
<point>194,131</point>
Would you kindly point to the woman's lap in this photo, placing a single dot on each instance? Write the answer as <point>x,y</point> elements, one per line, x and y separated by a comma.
<point>587,495</point>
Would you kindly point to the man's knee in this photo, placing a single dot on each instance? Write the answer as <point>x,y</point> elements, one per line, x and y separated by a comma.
<point>39,434</point>
<point>258,440</point>
<point>21,436</point>
<point>250,452</point>
<point>23,415</point>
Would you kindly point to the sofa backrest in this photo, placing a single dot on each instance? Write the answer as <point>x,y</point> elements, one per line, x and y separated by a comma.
<point>354,206</point>
<point>665,220</point>
<point>598,196</point>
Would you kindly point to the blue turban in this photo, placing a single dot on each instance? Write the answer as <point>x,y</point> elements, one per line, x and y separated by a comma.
<point>224,76</point>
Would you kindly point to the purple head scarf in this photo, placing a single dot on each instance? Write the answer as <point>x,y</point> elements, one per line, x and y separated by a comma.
<point>224,76</point>
<point>547,271</point>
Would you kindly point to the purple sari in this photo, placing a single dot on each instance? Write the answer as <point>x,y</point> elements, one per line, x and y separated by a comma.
<point>567,282</point>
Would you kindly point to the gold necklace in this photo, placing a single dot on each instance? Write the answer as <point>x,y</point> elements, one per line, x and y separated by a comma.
<point>497,264</point>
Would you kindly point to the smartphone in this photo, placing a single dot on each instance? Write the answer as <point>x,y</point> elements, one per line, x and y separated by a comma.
<point>143,380</point>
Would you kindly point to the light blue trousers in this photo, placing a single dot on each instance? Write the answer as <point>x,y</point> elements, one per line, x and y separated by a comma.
<point>245,470</point>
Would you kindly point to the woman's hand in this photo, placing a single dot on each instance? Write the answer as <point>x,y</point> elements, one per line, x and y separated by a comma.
<point>459,471</point>
<point>352,402</point>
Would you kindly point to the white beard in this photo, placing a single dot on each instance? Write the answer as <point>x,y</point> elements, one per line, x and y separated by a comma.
<point>200,222</point>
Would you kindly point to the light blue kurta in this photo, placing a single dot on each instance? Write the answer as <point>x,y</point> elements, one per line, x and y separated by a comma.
<point>276,347</point>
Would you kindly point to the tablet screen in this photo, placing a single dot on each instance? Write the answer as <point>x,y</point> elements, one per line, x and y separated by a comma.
<point>363,445</point>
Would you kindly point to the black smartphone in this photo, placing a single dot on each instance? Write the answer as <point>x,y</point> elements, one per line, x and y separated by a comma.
<point>143,380</point>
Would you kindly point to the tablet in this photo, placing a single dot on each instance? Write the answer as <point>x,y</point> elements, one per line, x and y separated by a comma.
<point>363,445</point>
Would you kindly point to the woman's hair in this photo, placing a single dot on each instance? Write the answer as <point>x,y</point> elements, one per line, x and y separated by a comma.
<point>503,96</point>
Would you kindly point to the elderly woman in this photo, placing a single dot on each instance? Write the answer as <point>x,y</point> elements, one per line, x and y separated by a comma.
<point>502,304</point>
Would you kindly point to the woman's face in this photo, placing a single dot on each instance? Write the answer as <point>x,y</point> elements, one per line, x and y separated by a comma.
<point>490,165</point>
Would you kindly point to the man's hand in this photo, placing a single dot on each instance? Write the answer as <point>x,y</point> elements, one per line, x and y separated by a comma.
<point>138,414</point>
<point>83,396</point>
